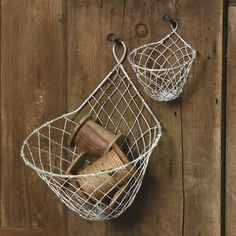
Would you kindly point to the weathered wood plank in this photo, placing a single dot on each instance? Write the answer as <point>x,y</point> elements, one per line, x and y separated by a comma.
<point>89,60</point>
<point>231,127</point>
<point>158,207</point>
<point>33,89</point>
<point>179,188</point>
<point>30,232</point>
<point>181,191</point>
<point>201,117</point>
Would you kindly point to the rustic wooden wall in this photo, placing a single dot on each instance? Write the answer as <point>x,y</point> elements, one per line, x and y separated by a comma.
<point>55,52</point>
<point>231,125</point>
<point>33,72</point>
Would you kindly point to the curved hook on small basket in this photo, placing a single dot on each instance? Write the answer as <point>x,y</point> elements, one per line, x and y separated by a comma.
<point>174,23</point>
<point>112,38</point>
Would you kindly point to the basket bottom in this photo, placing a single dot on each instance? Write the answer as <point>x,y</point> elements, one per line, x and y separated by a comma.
<point>162,96</point>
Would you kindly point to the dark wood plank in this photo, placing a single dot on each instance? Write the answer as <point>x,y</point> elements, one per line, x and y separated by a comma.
<point>201,117</point>
<point>30,232</point>
<point>231,126</point>
<point>33,89</point>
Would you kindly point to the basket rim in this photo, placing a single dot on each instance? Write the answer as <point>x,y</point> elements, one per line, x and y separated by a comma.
<point>48,173</point>
<point>51,174</point>
<point>133,53</point>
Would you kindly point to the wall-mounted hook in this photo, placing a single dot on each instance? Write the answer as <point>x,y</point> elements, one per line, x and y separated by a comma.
<point>117,42</point>
<point>167,17</point>
<point>112,38</point>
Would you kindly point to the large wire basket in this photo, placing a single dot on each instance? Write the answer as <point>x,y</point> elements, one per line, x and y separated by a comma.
<point>162,67</point>
<point>117,106</point>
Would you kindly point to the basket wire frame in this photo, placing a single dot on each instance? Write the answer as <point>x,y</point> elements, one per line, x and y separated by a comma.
<point>116,105</point>
<point>162,67</point>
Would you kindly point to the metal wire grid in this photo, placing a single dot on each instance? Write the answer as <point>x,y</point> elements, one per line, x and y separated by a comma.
<point>162,67</point>
<point>116,105</point>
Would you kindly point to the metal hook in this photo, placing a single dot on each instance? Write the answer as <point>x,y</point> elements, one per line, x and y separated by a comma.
<point>112,38</point>
<point>115,40</point>
<point>167,17</point>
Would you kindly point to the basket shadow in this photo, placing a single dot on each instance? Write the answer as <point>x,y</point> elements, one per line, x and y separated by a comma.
<point>133,215</point>
<point>160,171</point>
<point>196,78</point>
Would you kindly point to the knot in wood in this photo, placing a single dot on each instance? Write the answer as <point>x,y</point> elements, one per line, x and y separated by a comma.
<point>141,30</point>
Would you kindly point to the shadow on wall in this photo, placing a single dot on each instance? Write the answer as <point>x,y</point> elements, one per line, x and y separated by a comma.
<point>148,198</point>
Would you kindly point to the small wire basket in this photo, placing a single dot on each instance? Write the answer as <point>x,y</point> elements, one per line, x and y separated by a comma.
<point>162,67</point>
<point>97,193</point>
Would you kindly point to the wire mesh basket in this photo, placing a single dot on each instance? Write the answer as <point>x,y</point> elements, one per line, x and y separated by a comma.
<point>162,67</point>
<point>105,189</point>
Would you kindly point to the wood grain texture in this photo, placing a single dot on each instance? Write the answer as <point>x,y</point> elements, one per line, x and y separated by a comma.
<point>201,117</point>
<point>231,127</point>
<point>33,89</point>
<point>181,192</point>
<point>89,59</point>
<point>30,232</point>
<point>43,42</point>
<point>158,207</point>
